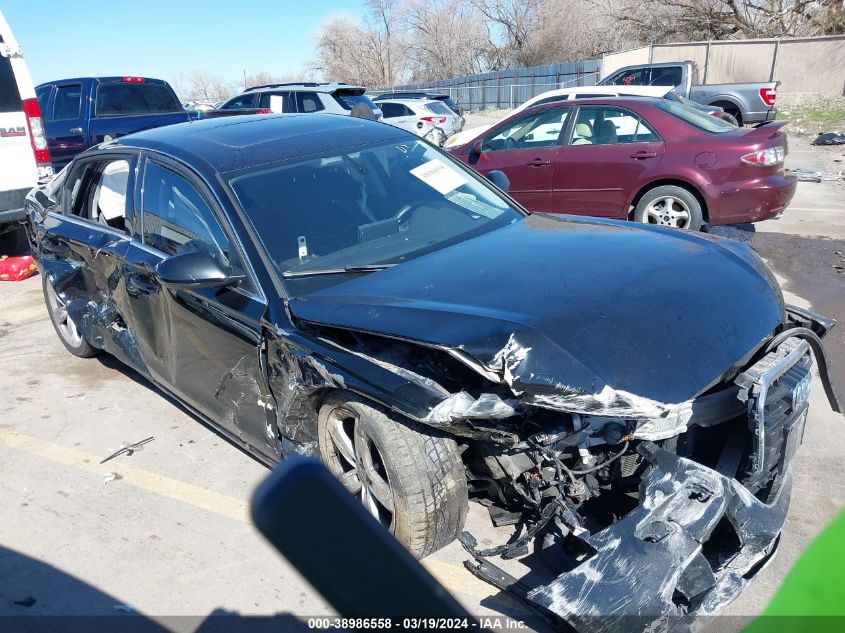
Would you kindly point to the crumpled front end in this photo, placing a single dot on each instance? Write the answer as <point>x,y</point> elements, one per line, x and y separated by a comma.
<point>679,520</point>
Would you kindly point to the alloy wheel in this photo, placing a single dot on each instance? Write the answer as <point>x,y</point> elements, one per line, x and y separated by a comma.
<point>64,323</point>
<point>359,465</point>
<point>668,211</point>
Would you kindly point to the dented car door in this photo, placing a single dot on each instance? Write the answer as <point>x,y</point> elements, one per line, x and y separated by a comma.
<point>204,344</point>
<point>82,241</point>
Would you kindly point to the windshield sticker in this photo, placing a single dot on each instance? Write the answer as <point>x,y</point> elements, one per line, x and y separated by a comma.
<point>439,175</point>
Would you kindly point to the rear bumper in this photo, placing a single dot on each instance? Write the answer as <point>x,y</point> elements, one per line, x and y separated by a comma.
<point>751,200</point>
<point>760,116</point>
<point>12,206</point>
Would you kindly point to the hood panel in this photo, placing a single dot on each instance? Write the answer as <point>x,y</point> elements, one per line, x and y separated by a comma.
<point>574,306</point>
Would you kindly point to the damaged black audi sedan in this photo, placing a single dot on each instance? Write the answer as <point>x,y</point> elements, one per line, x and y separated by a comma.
<point>631,396</point>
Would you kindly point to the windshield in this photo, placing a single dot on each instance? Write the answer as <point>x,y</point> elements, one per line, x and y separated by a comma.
<point>696,118</point>
<point>370,207</point>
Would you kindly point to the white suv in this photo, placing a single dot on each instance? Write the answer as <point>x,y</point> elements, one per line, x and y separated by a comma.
<point>24,159</point>
<point>328,98</point>
<point>430,119</point>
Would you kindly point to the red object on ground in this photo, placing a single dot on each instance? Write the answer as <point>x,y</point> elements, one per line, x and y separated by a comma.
<point>17,268</point>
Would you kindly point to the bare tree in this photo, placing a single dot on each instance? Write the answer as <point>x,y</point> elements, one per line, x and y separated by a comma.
<point>448,38</point>
<point>659,20</point>
<point>202,85</point>
<point>515,20</point>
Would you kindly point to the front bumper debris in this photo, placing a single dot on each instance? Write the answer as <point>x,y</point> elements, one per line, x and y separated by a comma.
<point>669,570</point>
<point>700,533</point>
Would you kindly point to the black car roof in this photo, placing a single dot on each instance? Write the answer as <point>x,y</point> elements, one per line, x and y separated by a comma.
<point>230,143</point>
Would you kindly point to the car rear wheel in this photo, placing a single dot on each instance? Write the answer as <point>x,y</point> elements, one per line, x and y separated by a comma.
<point>669,205</point>
<point>65,327</point>
<point>409,477</point>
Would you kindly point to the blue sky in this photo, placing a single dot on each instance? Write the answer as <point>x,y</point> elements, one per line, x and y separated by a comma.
<point>157,38</point>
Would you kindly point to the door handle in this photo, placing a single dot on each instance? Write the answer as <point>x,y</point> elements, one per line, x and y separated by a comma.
<point>75,130</point>
<point>538,162</point>
<point>644,154</point>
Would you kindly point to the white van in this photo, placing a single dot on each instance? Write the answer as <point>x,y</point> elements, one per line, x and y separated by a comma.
<point>24,159</point>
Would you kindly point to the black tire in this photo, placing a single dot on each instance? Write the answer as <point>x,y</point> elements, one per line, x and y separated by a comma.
<point>685,202</point>
<point>730,118</point>
<point>64,326</point>
<point>14,242</point>
<point>736,114</point>
<point>425,476</point>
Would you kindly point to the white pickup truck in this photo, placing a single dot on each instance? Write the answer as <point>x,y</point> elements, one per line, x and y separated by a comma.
<point>24,158</point>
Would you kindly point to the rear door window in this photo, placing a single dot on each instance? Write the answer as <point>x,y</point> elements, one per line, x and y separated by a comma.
<point>121,99</point>
<point>668,76</point>
<point>241,102</point>
<point>268,100</point>
<point>98,192</point>
<point>10,97</point>
<point>67,102</point>
<point>392,110</point>
<point>308,102</point>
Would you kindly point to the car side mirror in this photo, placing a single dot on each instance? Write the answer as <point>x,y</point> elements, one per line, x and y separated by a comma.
<point>195,270</point>
<point>476,148</point>
<point>499,179</point>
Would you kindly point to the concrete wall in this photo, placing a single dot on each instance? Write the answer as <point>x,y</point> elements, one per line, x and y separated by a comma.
<point>812,66</point>
<point>815,64</point>
<point>682,52</point>
<point>737,62</point>
<point>614,61</point>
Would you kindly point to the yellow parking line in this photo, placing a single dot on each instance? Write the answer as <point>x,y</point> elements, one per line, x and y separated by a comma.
<point>454,577</point>
<point>145,480</point>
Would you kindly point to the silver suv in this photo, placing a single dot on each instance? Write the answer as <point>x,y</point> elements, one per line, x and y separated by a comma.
<point>328,98</point>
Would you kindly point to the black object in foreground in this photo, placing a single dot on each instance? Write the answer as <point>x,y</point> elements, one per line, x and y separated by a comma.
<point>346,555</point>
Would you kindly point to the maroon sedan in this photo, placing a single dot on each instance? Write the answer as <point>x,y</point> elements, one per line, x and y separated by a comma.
<point>648,160</point>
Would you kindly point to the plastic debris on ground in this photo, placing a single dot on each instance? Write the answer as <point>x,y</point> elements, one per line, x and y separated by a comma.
<point>128,449</point>
<point>829,138</point>
<point>111,477</point>
<point>809,175</point>
<point>17,267</point>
